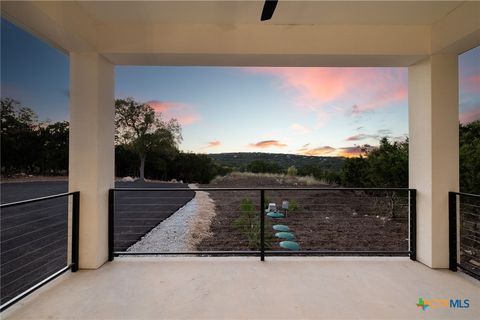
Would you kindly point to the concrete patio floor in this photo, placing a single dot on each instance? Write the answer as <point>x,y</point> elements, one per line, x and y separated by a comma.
<point>239,288</point>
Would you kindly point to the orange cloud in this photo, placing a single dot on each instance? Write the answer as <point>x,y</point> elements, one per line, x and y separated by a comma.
<point>350,152</point>
<point>184,113</point>
<point>327,151</point>
<point>267,144</point>
<point>320,151</point>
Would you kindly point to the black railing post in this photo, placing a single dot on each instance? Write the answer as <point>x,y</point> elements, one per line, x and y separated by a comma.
<point>75,229</point>
<point>262,225</point>
<point>111,211</point>
<point>452,230</point>
<point>413,225</point>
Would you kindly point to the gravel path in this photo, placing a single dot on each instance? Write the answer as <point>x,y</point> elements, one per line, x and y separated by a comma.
<point>183,230</point>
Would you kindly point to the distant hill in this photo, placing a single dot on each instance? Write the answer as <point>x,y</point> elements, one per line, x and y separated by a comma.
<point>241,159</point>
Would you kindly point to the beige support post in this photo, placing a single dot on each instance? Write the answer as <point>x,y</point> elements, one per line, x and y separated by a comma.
<point>91,158</point>
<point>433,152</point>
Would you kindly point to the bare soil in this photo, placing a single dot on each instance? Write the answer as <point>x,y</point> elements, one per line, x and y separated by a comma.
<point>324,220</point>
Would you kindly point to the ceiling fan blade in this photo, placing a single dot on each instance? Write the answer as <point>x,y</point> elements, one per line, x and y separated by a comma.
<point>268,9</point>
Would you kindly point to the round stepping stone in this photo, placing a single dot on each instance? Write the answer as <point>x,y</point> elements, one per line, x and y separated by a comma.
<point>275,215</point>
<point>290,245</point>
<point>285,235</point>
<point>281,227</point>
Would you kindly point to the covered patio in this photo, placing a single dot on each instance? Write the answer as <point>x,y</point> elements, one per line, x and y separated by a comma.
<point>243,288</point>
<point>426,37</point>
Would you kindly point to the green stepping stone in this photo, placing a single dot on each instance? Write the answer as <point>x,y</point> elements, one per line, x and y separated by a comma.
<point>281,227</point>
<point>285,235</point>
<point>290,245</point>
<point>275,215</point>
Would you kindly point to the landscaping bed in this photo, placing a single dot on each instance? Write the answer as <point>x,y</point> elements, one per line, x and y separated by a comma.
<point>322,220</point>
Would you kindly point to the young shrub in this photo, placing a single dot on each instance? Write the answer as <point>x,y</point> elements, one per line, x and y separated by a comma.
<point>292,171</point>
<point>293,206</point>
<point>266,201</point>
<point>249,224</point>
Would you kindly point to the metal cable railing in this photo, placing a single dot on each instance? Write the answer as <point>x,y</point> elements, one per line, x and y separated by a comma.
<point>322,221</point>
<point>464,232</point>
<point>39,242</point>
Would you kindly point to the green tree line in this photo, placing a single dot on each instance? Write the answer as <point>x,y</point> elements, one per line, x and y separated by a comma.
<point>29,146</point>
<point>147,146</point>
<point>386,166</point>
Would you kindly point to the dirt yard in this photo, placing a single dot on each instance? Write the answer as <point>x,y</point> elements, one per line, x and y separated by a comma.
<point>322,220</point>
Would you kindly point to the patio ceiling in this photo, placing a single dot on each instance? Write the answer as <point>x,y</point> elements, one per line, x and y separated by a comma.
<point>301,33</point>
<point>288,12</point>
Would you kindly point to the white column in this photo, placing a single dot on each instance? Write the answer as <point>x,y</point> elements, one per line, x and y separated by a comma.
<point>91,155</point>
<point>434,151</point>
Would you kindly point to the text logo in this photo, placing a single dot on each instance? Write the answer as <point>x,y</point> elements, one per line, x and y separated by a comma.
<point>425,304</point>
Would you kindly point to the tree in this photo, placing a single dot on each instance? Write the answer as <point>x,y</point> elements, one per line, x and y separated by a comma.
<point>470,157</point>
<point>142,130</point>
<point>355,172</point>
<point>20,138</point>
<point>385,166</point>
<point>388,165</point>
<point>54,153</point>
<point>126,161</point>
<point>191,167</point>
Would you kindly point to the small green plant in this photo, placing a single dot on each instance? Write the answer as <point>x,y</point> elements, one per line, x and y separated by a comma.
<point>293,206</point>
<point>266,201</point>
<point>292,171</point>
<point>249,224</point>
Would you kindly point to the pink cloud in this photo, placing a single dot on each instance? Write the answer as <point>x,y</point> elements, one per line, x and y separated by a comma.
<point>299,129</point>
<point>470,116</point>
<point>384,99</point>
<point>319,89</point>
<point>362,136</point>
<point>187,119</point>
<point>184,113</point>
<point>267,144</point>
<point>213,144</point>
<point>470,84</point>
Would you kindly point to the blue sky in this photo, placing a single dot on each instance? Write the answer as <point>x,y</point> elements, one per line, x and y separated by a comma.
<point>315,111</point>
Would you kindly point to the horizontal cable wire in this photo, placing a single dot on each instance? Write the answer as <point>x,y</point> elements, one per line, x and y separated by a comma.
<point>30,212</point>
<point>34,221</point>
<point>34,260</point>
<point>33,241</point>
<point>30,272</point>
<point>36,250</point>
<point>36,230</point>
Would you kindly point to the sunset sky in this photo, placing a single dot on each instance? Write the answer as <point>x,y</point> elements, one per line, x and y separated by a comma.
<point>313,111</point>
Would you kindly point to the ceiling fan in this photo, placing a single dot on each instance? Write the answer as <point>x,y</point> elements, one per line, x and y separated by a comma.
<point>268,9</point>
